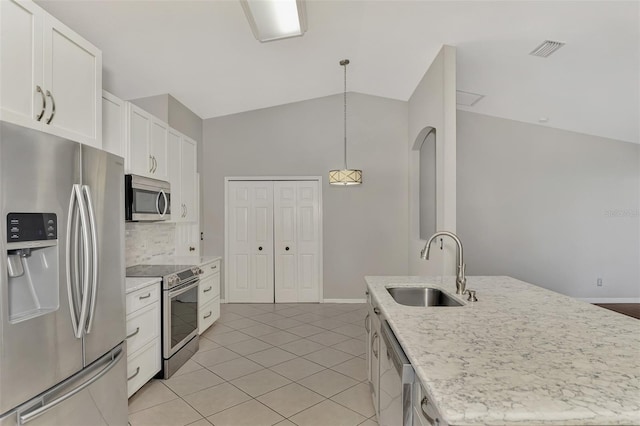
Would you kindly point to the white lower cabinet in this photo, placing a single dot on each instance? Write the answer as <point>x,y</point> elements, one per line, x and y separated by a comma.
<point>209,295</point>
<point>143,336</point>
<point>373,352</point>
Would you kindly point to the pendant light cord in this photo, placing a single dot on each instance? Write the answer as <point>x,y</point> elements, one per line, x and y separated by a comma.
<point>344,64</point>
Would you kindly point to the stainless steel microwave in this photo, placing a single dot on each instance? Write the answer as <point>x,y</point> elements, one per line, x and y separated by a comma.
<point>146,199</point>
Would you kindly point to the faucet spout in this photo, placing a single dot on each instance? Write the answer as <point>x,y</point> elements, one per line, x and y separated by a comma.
<point>461,280</point>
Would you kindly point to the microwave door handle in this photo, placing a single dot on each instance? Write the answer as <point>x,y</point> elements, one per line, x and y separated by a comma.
<point>85,258</point>
<point>158,204</point>
<point>94,256</point>
<point>69,263</point>
<point>166,203</point>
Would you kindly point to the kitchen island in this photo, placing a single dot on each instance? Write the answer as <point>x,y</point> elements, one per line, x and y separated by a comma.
<point>521,354</point>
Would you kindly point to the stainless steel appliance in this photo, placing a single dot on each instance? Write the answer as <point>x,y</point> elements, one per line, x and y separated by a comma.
<point>179,311</point>
<point>396,381</point>
<point>62,316</point>
<point>146,199</point>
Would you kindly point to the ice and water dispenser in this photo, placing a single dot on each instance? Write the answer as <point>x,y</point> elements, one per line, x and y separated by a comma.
<point>32,265</point>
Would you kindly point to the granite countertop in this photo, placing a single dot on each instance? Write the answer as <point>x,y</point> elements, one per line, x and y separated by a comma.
<point>133,284</point>
<point>183,260</point>
<point>520,355</point>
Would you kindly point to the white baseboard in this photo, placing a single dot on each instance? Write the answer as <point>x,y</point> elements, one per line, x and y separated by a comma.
<point>344,301</point>
<point>610,299</point>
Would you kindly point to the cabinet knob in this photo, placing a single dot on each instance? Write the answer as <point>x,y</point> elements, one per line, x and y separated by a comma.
<point>286,248</point>
<point>260,248</point>
<point>192,249</point>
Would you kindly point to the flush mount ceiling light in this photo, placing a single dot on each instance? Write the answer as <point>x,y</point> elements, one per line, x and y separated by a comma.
<point>275,19</point>
<point>345,176</point>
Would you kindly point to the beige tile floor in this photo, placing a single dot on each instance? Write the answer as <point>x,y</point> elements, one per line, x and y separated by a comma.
<point>268,364</point>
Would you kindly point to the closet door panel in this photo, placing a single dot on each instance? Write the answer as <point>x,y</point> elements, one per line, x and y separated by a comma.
<point>308,240</point>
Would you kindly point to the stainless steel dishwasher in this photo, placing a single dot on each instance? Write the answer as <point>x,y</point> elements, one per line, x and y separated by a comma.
<point>396,381</point>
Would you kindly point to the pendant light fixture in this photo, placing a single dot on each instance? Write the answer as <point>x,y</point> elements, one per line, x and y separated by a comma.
<point>345,176</point>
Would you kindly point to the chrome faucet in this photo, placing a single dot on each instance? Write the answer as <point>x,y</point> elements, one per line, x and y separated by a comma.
<point>461,280</point>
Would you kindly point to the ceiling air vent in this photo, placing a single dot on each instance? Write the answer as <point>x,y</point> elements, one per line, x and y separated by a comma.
<point>467,98</point>
<point>546,48</point>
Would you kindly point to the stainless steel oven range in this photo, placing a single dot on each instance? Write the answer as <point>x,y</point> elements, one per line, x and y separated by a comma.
<point>179,311</point>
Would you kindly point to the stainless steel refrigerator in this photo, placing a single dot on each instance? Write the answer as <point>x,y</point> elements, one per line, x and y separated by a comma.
<point>62,306</point>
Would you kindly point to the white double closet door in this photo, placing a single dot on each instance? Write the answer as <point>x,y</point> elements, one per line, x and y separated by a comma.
<point>273,241</point>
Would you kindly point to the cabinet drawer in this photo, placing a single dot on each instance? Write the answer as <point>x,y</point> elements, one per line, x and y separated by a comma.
<point>208,314</point>
<point>210,269</point>
<point>208,289</point>
<point>143,326</point>
<point>143,297</point>
<point>142,366</point>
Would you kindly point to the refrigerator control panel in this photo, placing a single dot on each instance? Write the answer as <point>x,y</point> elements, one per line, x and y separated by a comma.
<point>31,227</point>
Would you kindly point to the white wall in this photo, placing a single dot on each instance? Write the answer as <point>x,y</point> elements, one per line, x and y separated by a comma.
<point>365,227</point>
<point>552,207</point>
<point>433,103</point>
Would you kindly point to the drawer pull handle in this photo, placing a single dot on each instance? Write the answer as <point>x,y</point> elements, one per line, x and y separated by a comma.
<point>207,289</point>
<point>366,322</point>
<point>148,295</point>
<point>134,374</point>
<point>214,266</point>
<point>208,315</point>
<point>134,333</point>
<point>423,404</point>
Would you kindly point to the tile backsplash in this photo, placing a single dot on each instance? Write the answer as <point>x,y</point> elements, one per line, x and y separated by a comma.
<point>144,241</point>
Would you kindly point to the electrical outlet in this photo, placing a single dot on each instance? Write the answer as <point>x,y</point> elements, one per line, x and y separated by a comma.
<point>599,282</point>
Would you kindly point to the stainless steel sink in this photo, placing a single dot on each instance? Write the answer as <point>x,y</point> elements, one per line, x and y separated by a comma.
<point>421,296</point>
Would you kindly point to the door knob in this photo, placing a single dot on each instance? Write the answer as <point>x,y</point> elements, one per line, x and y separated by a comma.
<point>260,248</point>
<point>286,248</point>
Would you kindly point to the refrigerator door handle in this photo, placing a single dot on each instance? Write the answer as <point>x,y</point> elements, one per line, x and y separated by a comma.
<point>103,366</point>
<point>86,279</point>
<point>94,256</point>
<point>70,288</point>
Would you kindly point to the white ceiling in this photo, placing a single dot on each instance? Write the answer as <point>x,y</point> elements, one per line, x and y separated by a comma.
<point>204,54</point>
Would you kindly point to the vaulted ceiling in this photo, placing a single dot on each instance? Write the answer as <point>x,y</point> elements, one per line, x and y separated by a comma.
<point>204,54</point>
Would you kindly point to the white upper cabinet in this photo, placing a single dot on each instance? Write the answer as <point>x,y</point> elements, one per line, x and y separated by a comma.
<point>158,148</point>
<point>183,153</point>
<point>51,78</point>
<point>188,179</point>
<point>22,100</point>
<point>113,124</point>
<point>174,140</point>
<point>147,144</point>
<point>139,159</point>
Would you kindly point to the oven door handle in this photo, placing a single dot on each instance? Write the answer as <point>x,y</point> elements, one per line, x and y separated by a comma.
<point>180,290</point>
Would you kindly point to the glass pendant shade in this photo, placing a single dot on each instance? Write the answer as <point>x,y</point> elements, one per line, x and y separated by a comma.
<point>345,177</point>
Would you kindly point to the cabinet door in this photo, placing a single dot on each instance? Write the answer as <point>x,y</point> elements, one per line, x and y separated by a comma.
<point>188,182</point>
<point>21,63</point>
<point>138,141</point>
<point>72,84</point>
<point>113,124</point>
<point>158,148</point>
<point>374,348</point>
<point>173,173</point>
